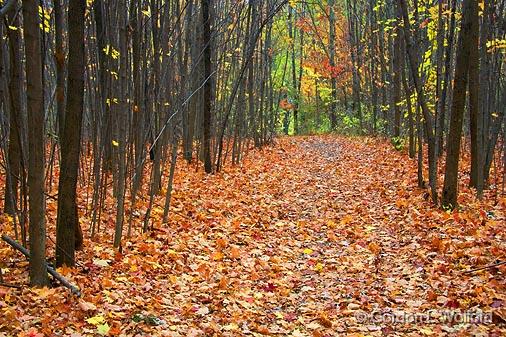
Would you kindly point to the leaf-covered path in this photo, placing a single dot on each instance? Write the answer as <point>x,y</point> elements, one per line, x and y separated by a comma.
<point>309,237</point>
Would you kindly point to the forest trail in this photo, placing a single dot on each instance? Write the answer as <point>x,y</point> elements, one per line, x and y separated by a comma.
<point>241,168</point>
<point>305,238</point>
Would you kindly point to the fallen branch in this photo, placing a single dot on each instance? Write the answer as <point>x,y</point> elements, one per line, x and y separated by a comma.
<point>50,269</point>
<point>485,267</point>
<point>8,285</point>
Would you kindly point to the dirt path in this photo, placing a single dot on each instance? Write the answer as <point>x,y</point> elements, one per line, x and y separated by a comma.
<point>330,238</point>
<point>317,236</point>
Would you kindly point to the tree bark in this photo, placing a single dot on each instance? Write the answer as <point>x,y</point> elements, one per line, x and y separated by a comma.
<point>35,107</point>
<point>332,61</point>
<point>476,112</point>
<point>67,241</point>
<point>469,27</point>
<point>14,153</point>
<point>427,115</point>
<point>208,95</point>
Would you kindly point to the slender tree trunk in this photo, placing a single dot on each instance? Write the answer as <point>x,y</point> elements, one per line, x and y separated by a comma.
<point>396,95</point>
<point>122,121</point>
<point>68,218</point>
<point>439,72</point>
<point>332,59</point>
<point>407,91</point>
<point>35,107</point>
<point>442,101</point>
<point>467,40</point>
<point>60,66</point>
<point>14,152</point>
<point>483,97</point>
<point>208,95</point>
<point>427,115</point>
<point>476,117</point>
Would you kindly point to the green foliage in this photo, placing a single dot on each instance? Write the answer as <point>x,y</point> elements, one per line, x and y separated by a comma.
<point>398,143</point>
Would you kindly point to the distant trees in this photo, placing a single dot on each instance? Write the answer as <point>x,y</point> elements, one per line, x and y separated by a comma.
<point>124,83</point>
<point>455,87</point>
<point>222,77</point>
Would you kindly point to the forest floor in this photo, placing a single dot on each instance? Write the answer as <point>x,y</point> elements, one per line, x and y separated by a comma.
<point>314,236</point>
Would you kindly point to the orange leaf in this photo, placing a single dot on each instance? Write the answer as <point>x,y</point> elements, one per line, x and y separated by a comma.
<point>222,243</point>
<point>324,320</point>
<point>223,283</point>
<point>217,256</point>
<point>374,247</point>
<point>235,253</point>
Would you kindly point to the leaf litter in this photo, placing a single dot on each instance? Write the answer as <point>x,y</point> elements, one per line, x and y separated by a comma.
<point>304,238</point>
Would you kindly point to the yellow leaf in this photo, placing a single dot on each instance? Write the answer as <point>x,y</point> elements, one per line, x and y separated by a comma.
<point>96,320</point>
<point>44,292</point>
<point>115,143</point>
<point>13,28</point>
<point>231,326</point>
<point>319,267</point>
<point>308,251</point>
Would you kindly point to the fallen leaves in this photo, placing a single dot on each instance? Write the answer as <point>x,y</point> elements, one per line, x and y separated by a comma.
<point>374,248</point>
<point>217,256</point>
<point>235,253</point>
<point>101,263</point>
<point>96,320</point>
<point>296,242</point>
<point>87,306</point>
<point>308,251</point>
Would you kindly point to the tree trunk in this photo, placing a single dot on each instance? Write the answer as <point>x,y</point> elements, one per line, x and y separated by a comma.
<point>68,234</point>
<point>14,154</point>
<point>442,101</point>
<point>35,107</point>
<point>60,67</point>
<point>208,95</point>
<point>476,112</point>
<point>332,59</point>
<point>467,40</point>
<point>427,115</point>
<point>396,94</point>
<point>122,120</point>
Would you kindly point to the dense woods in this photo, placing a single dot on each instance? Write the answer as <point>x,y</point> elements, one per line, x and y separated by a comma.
<point>106,105</point>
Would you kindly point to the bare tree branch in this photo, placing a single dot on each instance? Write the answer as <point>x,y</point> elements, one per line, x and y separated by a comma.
<point>6,8</point>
